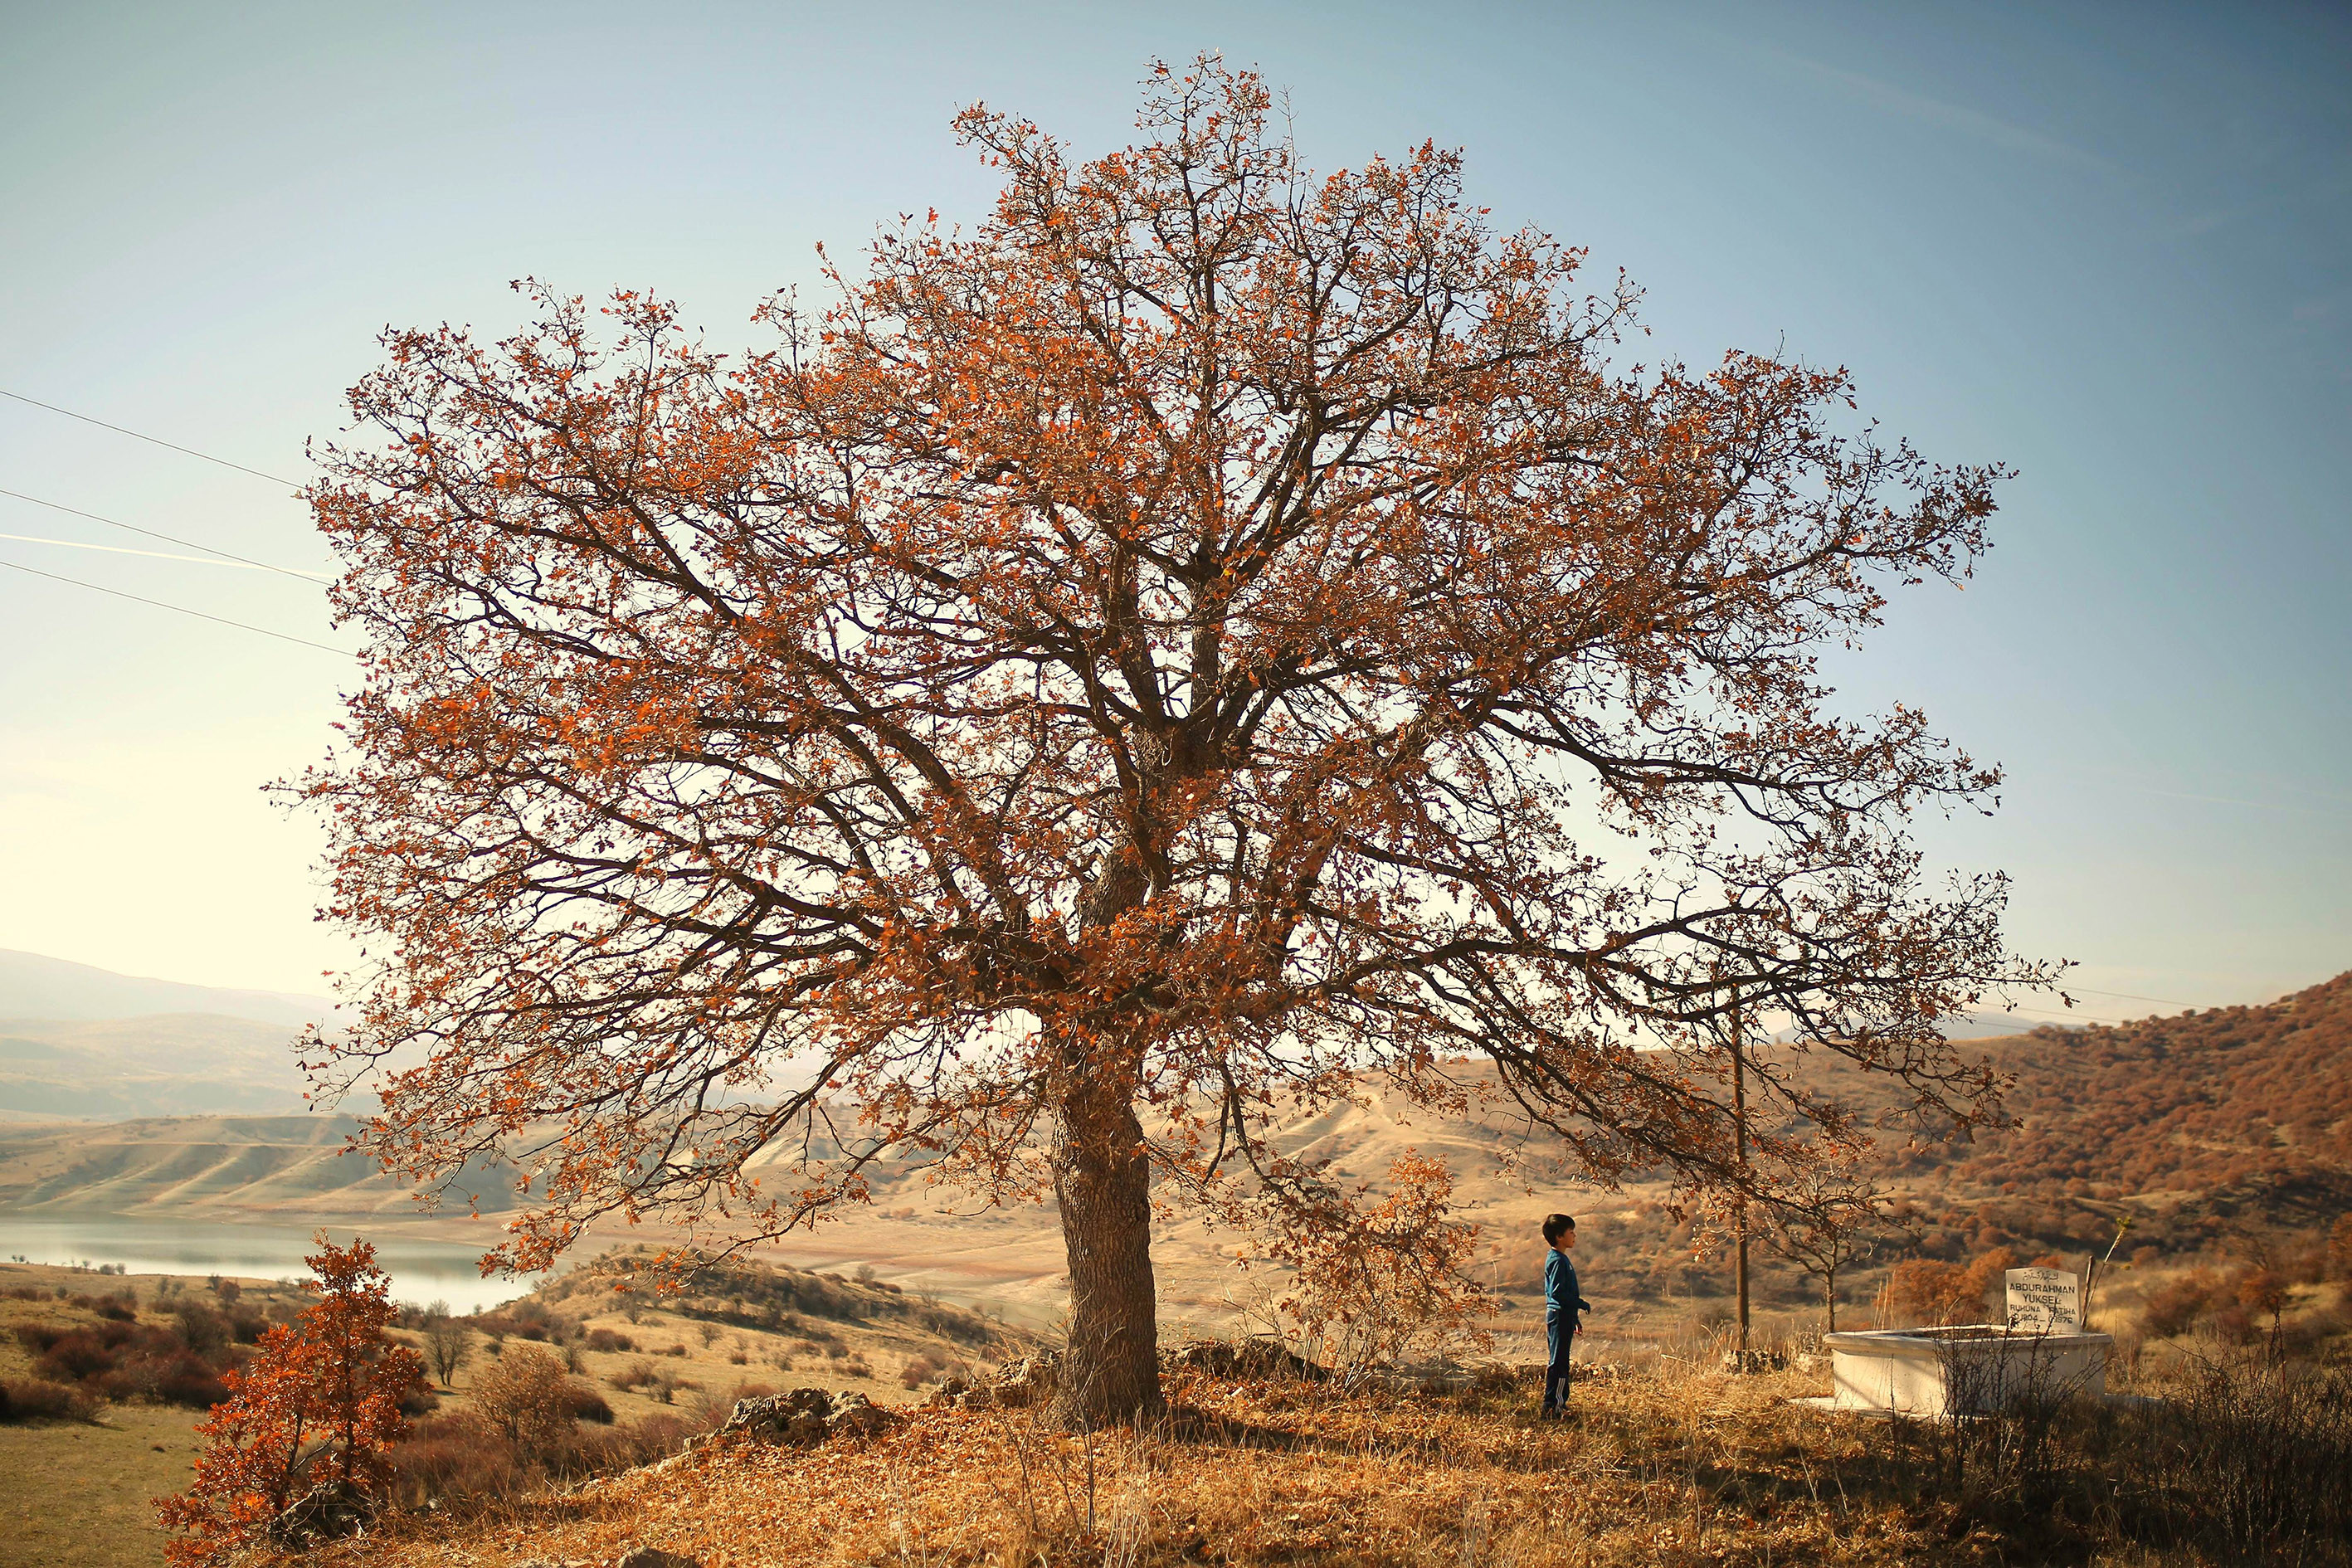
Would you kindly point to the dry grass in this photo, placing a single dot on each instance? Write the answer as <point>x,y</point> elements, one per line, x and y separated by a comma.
<point>1669,1468</point>
<point>77,1495</point>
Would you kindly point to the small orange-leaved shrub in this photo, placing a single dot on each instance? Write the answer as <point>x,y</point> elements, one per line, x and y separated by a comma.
<point>317,1405</point>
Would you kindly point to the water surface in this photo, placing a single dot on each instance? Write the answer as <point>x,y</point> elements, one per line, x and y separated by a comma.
<point>422,1269</point>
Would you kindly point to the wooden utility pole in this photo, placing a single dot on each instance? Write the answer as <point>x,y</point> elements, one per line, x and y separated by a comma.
<point>1740,1157</point>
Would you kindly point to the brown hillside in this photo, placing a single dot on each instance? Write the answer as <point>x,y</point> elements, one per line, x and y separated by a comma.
<point>2207,1128</point>
<point>2223,1127</point>
<point>2187,1103</point>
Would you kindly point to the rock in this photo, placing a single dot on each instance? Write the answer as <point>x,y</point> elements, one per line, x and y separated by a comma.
<point>1029,1380</point>
<point>653,1557</point>
<point>855,1415</point>
<point>802,1417</point>
<point>798,1416</point>
<point>327,1512</point>
<point>1245,1358</point>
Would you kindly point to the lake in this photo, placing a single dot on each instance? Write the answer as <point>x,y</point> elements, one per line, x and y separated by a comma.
<point>422,1270</point>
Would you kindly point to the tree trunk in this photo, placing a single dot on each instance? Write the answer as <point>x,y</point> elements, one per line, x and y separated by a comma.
<point>1829,1289</point>
<point>1112,1372</point>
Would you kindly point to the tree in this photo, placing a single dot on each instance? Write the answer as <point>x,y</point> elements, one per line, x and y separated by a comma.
<point>1923,1290</point>
<point>1831,1215</point>
<point>2264,1289</point>
<point>1208,641</point>
<point>317,1405</point>
<point>448,1345</point>
<point>1398,1284</point>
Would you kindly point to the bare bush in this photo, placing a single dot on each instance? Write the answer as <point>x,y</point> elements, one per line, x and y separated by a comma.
<point>527,1397</point>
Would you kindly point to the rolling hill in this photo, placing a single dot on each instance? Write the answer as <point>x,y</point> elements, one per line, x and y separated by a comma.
<point>2219,1127</point>
<point>216,1167</point>
<point>171,1064</point>
<point>33,987</point>
<point>82,1043</point>
<point>2200,1126</point>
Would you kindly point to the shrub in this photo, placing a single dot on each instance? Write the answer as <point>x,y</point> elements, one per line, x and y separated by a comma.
<point>2263,1291</point>
<point>2232,1324</point>
<point>456,1455</point>
<point>2255,1461</point>
<point>526,1395</point>
<point>193,1385</point>
<point>584,1404</point>
<point>918,1371</point>
<point>1925,1292</point>
<point>202,1329</point>
<point>37,1338</point>
<point>76,1355</point>
<point>636,1374</point>
<point>608,1342</point>
<point>2173,1308</point>
<point>38,1399</point>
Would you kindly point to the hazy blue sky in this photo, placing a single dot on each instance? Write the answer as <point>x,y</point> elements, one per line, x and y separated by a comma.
<point>2110,246</point>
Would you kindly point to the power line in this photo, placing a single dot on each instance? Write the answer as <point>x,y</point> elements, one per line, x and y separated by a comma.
<point>166,538</point>
<point>152,440</point>
<point>126,549</point>
<point>223,620</point>
<point>2127,995</point>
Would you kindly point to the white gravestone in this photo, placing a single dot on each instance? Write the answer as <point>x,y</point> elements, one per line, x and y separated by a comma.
<point>2045,1302</point>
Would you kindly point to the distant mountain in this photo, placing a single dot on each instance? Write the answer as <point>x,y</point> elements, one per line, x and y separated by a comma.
<point>171,1064</point>
<point>214,1167</point>
<point>31,986</point>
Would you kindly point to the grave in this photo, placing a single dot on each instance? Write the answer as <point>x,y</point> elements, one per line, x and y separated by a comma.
<point>2045,1300</point>
<point>2041,1350</point>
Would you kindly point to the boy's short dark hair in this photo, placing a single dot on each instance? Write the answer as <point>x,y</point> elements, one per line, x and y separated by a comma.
<point>1557,1225</point>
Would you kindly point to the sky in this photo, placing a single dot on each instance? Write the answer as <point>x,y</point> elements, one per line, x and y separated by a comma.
<point>2108,246</point>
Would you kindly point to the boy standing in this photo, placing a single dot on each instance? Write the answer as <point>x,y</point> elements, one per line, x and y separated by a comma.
<point>1561,1305</point>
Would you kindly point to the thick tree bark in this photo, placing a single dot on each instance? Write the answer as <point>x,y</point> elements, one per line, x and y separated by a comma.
<point>1102,1179</point>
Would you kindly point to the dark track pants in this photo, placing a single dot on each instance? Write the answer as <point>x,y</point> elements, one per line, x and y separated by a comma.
<point>1560,1335</point>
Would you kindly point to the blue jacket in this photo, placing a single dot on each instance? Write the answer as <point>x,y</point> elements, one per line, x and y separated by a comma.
<point>1560,1299</point>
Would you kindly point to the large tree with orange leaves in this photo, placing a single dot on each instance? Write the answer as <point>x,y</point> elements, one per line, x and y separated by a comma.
<point>1208,639</point>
